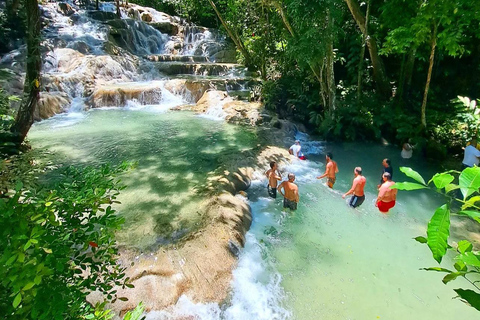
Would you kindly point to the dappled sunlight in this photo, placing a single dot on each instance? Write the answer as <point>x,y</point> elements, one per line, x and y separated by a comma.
<point>175,153</point>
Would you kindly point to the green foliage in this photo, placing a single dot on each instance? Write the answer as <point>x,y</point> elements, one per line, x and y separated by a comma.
<point>59,244</point>
<point>467,261</point>
<point>100,313</point>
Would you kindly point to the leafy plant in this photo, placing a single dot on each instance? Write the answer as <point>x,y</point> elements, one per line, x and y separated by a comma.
<point>58,244</point>
<point>467,261</point>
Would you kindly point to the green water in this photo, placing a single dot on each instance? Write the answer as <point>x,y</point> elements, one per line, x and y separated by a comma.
<point>175,151</point>
<point>334,262</point>
<point>340,263</point>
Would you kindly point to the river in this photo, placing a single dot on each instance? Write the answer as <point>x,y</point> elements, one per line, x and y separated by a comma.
<point>324,261</point>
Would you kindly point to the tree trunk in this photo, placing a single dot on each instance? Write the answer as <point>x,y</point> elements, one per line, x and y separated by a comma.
<point>378,70</point>
<point>330,60</point>
<point>429,75</point>
<point>24,118</point>
<point>362,55</point>
<point>238,42</point>
<point>287,24</point>
<point>405,80</point>
<point>119,15</point>
<point>96,4</point>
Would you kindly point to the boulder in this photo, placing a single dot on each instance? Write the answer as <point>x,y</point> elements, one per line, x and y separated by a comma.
<point>166,27</point>
<point>81,47</point>
<point>65,9</point>
<point>102,15</point>
<point>146,17</point>
<point>50,104</point>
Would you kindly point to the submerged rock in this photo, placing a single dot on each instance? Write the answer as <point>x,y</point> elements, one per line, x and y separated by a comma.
<point>65,9</point>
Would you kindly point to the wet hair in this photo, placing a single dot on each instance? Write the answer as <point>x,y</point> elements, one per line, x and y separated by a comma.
<point>388,176</point>
<point>291,176</point>
<point>272,164</point>
<point>388,162</point>
<point>358,170</point>
<point>330,155</point>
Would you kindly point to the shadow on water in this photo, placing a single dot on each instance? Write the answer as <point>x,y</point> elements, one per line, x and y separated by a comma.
<point>174,151</point>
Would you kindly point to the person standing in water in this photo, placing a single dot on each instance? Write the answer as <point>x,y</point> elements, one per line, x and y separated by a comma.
<point>291,196</point>
<point>387,167</point>
<point>273,177</point>
<point>357,189</point>
<point>295,149</point>
<point>407,150</point>
<point>471,156</point>
<point>386,196</point>
<point>331,170</point>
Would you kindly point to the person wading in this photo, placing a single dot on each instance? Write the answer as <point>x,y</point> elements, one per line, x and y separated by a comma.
<point>291,196</point>
<point>273,177</point>
<point>386,196</point>
<point>357,189</point>
<point>387,167</point>
<point>330,170</point>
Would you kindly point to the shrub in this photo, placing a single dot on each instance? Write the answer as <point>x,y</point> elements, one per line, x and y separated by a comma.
<point>58,245</point>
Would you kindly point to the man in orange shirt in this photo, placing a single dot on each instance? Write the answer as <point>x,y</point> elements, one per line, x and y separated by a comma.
<point>357,189</point>
<point>386,196</point>
<point>330,170</point>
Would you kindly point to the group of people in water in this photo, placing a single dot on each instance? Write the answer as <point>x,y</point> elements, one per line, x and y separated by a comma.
<point>289,190</point>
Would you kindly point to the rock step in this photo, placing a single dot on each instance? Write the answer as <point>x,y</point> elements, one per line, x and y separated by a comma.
<point>206,69</point>
<point>152,92</point>
<point>175,58</point>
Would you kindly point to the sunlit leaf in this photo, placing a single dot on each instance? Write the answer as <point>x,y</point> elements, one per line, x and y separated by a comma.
<point>452,276</point>
<point>441,180</point>
<point>470,202</point>
<point>464,246</point>
<point>470,297</point>
<point>438,232</point>
<point>421,239</point>
<point>407,186</point>
<point>469,181</point>
<point>437,269</point>
<point>475,215</point>
<point>451,187</point>
<point>409,172</point>
<point>17,300</point>
<point>469,258</point>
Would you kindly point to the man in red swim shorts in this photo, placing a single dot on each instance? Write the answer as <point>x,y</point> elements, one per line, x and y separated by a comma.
<point>386,196</point>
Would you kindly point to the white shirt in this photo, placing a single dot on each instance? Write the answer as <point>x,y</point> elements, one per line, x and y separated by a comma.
<point>407,154</point>
<point>471,156</point>
<point>296,150</point>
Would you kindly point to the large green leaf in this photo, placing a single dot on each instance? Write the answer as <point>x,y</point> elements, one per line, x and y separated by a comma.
<point>469,296</point>
<point>438,232</point>
<point>409,172</point>
<point>441,180</point>
<point>407,186</point>
<point>469,181</point>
